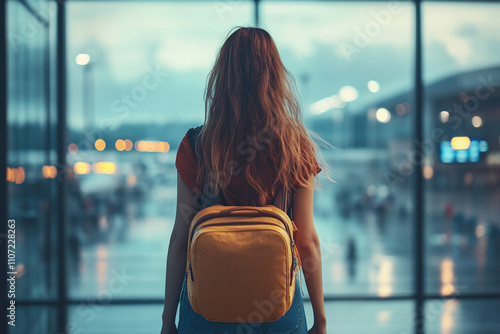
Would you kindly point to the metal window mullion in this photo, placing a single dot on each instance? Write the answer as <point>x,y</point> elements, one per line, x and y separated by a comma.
<point>256,4</point>
<point>3,159</point>
<point>62,295</point>
<point>419,249</point>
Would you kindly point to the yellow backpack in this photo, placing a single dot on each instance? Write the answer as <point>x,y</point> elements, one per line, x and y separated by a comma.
<point>242,262</point>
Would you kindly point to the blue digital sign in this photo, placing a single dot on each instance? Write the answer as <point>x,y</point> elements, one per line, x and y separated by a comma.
<point>471,153</point>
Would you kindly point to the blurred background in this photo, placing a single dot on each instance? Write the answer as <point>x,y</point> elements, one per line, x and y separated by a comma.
<point>100,93</point>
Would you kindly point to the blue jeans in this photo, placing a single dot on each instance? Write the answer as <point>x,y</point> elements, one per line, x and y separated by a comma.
<point>293,321</point>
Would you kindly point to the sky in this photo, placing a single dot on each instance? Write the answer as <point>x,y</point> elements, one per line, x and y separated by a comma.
<point>150,60</point>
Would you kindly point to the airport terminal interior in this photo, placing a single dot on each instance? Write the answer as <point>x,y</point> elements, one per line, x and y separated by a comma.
<point>99,95</point>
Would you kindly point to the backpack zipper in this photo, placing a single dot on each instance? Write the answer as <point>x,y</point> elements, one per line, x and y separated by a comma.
<point>294,263</point>
<point>235,223</point>
<point>216,215</point>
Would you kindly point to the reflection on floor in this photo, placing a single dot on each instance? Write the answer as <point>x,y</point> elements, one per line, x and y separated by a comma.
<point>382,317</point>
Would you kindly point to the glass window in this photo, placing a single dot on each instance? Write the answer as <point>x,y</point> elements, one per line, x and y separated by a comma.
<point>34,319</point>
<point>353,65</point>
<point>136,78</point>
<point>375,317</point>
<point>461,316</point>
<point>31,171</point>
<point>462,125</point>
<point>99,318</point>
<point>136,74</point>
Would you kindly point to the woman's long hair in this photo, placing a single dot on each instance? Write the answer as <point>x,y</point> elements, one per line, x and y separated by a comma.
<point>253,122</point>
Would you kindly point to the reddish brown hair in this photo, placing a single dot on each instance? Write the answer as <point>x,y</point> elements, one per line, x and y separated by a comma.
<point>253,121</point>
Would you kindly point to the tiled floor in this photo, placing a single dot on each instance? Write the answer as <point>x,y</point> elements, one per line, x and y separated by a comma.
<point>135,268</point>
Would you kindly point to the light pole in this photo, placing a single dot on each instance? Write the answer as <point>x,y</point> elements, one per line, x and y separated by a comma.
<point>88,107</point>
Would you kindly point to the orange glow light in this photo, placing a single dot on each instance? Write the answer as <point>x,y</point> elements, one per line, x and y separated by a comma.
<point>120,145</point>
<point>460,143</point>
<point>139,145</point>
<point>15,175</point>
<point>100,145</point>
<point>428,172</point>
<point>10,174</point>
<point>81,168</point>
<point>164,147</point>
<point>20,175</point>
<point>104,167</point>
<point>385,278</point>
<point>447,277</point>
<point>49,172</point>
<point>128,145</point>
<point>152,146</point>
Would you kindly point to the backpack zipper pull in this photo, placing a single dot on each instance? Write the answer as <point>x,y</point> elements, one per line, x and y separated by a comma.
<point>294,262</point>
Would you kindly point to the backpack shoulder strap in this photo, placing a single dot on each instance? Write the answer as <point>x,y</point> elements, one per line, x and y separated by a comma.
<point>283,200</point>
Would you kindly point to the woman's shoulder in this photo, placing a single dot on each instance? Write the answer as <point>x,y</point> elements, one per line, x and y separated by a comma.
<point>185,160</point>
<point>191,136</point>
<point>195,130</point>
<point>187,144</point>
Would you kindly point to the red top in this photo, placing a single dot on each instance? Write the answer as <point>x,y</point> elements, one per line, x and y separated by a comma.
<point>186,165</point>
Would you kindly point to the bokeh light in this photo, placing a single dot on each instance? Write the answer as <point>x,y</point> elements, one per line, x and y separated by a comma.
<point>373,86</point>
<point>383,115</point>
<point>100,145</point>
<point>82,59</point>
<point>81,168</point>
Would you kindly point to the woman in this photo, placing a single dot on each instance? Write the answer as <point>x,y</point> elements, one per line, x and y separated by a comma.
<point>252,144</point>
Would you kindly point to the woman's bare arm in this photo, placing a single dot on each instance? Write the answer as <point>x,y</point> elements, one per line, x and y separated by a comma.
<point>177,252</point>
<point>307,241</point>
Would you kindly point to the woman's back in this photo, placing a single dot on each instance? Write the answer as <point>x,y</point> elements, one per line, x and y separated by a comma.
<point>252,144</point>
<point>236,191</point>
